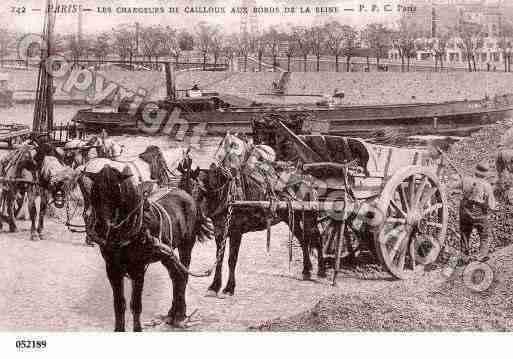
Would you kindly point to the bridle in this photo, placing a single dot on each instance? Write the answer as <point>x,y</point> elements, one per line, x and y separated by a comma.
<point>137,213</point>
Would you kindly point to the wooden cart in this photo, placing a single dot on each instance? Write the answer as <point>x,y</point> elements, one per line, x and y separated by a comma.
<point>390,198</point>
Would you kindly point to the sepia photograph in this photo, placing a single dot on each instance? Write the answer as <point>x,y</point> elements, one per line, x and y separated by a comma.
<point>255,166</point>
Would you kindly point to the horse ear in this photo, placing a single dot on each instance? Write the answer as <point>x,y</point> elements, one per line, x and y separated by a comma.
<point>92,176</point>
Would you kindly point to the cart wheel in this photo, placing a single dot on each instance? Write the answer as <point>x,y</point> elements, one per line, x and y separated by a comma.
<point>416,215</point>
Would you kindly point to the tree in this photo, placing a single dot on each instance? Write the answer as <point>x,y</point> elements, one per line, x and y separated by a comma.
<point>379,39</point>
<point>340,40</point>
<point>151,40</point>
<point>318,42</point>
<point>273,39</point>
<point>185,40</point>
<point>303,42</point>
<point>505,43</point>
<point>229,49</point>
<point>217,46</point>
<point>291,49</point>
<point>100,46</point>
<point>6,40</point>
<point>171,43</point>
<point>470,41</point>
<point>258,44</point>
<point>243,46</point>
<point>403,40</point>
<point>438,47</point>
<point>204,36</point>
<point>125,42</point>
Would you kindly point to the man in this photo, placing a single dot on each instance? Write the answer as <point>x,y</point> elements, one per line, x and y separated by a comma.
<point>478,200</point>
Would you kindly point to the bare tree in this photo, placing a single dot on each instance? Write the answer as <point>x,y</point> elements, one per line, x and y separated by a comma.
<point>101,46</point>
<point>291,49</point>
<point>170,43</point>
<point>217,42</point>
<point>318,41</point>
<point>258,44</point>
<point>471,40</point>
<point>340,40</point>
<point>379,38</point>
<point>204,35</point>
<point>273,39</point>
<point>229,49</point>
<point>302,39</point>
<point>151,40</point>
<point>403,40</point>
<point>243,46</point>
<point>124,42</point>
<point>505,43</point>
<point>6,40</point>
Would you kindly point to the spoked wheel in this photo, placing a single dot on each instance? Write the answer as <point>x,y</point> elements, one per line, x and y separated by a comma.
<point>415,222</point>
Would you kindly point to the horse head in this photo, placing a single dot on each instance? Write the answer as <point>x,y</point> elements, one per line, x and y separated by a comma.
<point>233,152</point>
<point>108,200</point>
<point>191,180</point>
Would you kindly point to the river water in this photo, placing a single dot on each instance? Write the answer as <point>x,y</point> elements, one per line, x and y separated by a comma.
<point>134,144</point>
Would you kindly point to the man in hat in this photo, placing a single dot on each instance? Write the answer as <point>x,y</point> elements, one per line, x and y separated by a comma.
<point>477,201</point>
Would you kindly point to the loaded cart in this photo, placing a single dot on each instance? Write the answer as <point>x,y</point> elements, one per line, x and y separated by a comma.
<point>389,198</point>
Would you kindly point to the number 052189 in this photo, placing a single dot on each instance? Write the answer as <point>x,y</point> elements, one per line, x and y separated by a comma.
<point>30,344</point>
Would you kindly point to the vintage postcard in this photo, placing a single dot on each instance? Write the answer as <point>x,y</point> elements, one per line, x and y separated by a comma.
<point>255,166</point>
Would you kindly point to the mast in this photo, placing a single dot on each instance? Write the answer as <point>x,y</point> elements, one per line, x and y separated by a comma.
<point>43,108</point>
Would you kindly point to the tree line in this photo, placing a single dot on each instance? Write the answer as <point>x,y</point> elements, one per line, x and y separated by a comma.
<point>340,42</point>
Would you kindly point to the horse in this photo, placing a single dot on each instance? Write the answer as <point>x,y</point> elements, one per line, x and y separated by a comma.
<point>126,225</point>
<point>18,170</point>
<point>149,166</point>
<point>79,152</point>
<point>49,176</point>
<point>234,177</point>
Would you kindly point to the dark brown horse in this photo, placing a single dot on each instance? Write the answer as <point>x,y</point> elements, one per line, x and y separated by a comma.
<point>216,187</point>
<point>133,232</point>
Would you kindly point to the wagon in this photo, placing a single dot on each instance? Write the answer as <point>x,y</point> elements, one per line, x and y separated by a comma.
<point>389,198</point>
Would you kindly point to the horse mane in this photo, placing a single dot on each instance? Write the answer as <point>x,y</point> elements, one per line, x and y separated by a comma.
<point>159,170</point>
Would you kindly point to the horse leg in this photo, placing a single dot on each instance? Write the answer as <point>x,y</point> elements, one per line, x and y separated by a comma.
<point>178,310</point>
<point>116,282</point>
<point>235,239</point>
<point>43,205</point>
<point>11,219</point>
<point>312,232</point>
<point>136,299</point>
<point>216,283</point>
<point>304,241</point>
<point>33,214</point>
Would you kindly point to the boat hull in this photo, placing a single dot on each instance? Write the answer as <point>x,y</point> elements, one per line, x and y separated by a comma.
<point>449,118</point>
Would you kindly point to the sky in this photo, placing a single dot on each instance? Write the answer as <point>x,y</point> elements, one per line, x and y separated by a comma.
<point>94,21</point>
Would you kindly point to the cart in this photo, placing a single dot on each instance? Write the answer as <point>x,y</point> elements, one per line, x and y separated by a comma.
<point>388,197</point>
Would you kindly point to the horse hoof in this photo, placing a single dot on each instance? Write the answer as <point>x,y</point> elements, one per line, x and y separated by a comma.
<point>225,295</point>
<point>13,230</point>
<point>34,237</point>
<point>307,276</point>
<point>322,274</point>
<point>211,294</point>
<point>42,237</point>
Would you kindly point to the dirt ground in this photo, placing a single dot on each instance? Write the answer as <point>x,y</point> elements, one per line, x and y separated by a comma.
<point>60,285</point>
